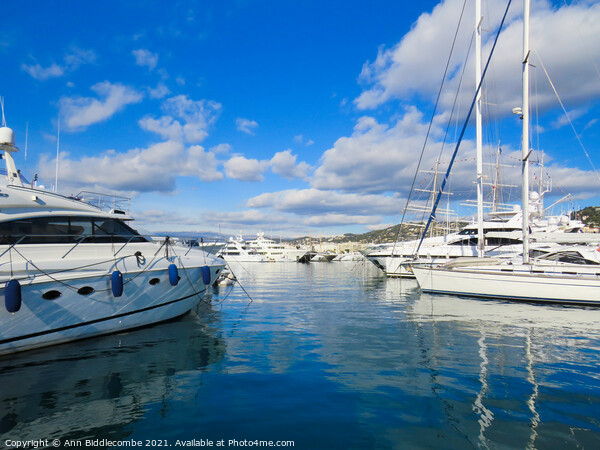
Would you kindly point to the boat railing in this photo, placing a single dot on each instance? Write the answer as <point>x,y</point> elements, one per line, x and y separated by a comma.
<point>182,243</point>
<point>106,202</point>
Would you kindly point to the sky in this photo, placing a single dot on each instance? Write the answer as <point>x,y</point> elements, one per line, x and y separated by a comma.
<point>295,117</point>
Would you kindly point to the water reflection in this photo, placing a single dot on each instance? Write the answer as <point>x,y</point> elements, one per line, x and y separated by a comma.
<point>328,356</point>
<point>102,386</point>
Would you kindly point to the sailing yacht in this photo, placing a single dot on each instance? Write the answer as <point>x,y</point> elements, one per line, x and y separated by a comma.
<point>70,270</point>
<point>569,275</point>
<point>503,239</point>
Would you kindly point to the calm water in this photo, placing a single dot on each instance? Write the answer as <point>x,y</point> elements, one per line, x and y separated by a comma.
<point>328,355</point>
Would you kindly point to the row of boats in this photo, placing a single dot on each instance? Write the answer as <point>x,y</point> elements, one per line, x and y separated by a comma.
<point>522,257</point>
<point>73,267</point>
<point>262,249</point>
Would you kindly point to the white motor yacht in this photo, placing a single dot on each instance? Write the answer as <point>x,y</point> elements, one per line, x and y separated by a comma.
<point>274,251</point>
<point>503,239</point>
<point>71,270</point>
<point>237,250</point>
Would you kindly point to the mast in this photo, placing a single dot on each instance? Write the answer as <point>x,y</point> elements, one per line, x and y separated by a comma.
<point>57,155</point>
<point>525,138</point>
<point>479,157</point>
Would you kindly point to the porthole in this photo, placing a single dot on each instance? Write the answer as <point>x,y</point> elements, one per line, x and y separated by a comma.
<point>51,295</point>
<point>85,290</point>
<point>217,271</point>
<point>154,281</point>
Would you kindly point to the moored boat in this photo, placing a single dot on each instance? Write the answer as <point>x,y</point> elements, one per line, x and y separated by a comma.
<point>71,270</point>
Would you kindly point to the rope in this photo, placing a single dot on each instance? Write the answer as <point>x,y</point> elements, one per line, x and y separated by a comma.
<point>410,193</point>
<point>462,133</point>
<point>568,118</point>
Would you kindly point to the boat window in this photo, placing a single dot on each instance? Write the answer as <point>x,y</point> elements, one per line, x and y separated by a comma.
<point>570,257</point>
<point>67,230</point>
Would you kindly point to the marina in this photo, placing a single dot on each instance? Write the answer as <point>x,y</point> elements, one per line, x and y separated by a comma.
<point>327,356</point>
<point>262,228</point>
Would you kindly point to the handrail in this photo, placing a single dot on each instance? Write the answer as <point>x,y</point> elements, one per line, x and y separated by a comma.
<point>105,201</point>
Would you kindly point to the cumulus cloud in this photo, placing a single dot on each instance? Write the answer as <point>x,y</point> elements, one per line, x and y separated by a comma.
<point>406,71</point>
<point>72,60</point>
<point>284,164</point>
<point>152,169</point>
<point>376,158</point>
<point>145,58</point>
<point>338,219</point>
<point>185,119</point>
<point>244,219</point>
<point>246,125</point>
<point>314,201</point>
<point>80,112</point>
<point>245,169</point>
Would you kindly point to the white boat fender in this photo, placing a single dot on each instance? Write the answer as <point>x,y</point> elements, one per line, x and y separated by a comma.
<point>116,283</point>
<point>173,275</point>
<point>12,296</point>
<point>206,275</point>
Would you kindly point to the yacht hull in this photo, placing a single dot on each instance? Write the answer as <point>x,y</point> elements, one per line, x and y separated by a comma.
<point>510,285</point>
<point>79,303</point>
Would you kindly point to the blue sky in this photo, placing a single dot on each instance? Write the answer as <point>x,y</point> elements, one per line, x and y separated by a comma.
<point>290,117</point>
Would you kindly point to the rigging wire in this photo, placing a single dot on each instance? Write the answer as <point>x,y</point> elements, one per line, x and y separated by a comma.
<point>445,179</point>
<point>568,118</point>
<point>430,125</point>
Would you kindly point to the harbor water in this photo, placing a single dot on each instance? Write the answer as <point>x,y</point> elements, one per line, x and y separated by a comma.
<point>319,356</point>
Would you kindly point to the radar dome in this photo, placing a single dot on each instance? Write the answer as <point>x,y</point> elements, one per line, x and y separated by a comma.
<point>7,136</point>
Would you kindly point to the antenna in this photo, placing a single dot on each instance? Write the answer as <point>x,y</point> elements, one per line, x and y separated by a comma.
<point>2,105</point>
<point>26,136</point>
<point>57,153</point>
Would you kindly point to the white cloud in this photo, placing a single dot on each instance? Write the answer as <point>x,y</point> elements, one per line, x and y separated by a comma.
<point>246,125</point>
<point>43,73</point>
<point>152,169</point>
<point>284,164</point>
<point>326,220</point>
<point>186,119</point>
<point>201,164</point>
<point>375,158</point>
<point>244,169</point>
<point>73,59</point>
<point>244,219</point>
<point>313,202</point>
<point>80,112</point>
<point>145,58</point>
<point>160,91</point>
<point>221,148</point>
<point>300,139</point>
<point>561,39</point>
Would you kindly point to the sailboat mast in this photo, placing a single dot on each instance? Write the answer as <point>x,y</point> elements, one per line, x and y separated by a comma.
<point>525,138</point>
<point>478,123</point>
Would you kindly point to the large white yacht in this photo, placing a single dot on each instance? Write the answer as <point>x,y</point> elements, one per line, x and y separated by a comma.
<point>503,239</point>
<point>71,270</point>
<point>274,251</point>
<point>237,250</point>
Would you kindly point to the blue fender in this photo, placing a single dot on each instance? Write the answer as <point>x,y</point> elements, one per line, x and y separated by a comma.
<point>206,275</point>
<point>173,275</point>
<point>116,283</point>
<point>12,296</point>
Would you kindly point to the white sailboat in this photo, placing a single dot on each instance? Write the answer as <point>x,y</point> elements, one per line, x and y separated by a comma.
<point>565,276</point>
